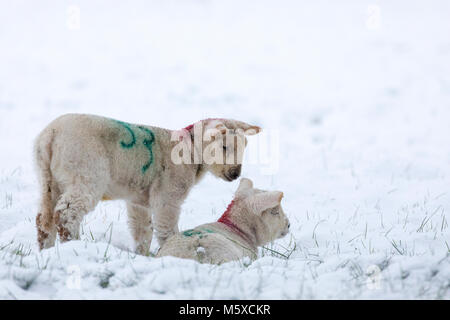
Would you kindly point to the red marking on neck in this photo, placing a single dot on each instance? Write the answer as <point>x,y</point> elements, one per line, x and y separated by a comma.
<point>225,219</point>
<point>226,214</point>
<point>189,127</point>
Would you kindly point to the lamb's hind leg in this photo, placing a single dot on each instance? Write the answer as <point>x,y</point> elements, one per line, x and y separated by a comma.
<point>76,201</point>
<point>140,222</point>
<point>46,228</point>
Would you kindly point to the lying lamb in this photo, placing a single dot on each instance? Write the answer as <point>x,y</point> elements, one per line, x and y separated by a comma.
<point>252,219</point>
<point>82,159</point>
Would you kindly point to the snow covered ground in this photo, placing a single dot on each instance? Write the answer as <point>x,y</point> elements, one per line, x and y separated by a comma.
<point>354,94</point>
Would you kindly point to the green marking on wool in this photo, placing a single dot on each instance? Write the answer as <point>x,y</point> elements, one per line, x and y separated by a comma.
<point>190,233</point>
<point>147,142</point>
<point>199,233</point>
<point>133,136</point>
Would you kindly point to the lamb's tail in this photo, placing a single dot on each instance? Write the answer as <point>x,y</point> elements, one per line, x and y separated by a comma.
<point>42,156</point>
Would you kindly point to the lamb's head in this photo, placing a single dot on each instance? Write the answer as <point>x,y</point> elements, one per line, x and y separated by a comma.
<point>223,146</point>
<point>266,207</point>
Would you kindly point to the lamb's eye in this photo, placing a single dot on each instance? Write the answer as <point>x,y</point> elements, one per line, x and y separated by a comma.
<point>274,211</point>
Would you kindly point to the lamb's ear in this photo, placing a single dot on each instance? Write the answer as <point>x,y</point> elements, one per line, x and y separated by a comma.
<point>266,200</point>
<point>247,129</point>
<point>244,185</point>
<point>213,126</point>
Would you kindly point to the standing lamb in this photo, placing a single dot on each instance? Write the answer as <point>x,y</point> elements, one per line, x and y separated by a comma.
<point>82,159</point>
<point>252,219</point>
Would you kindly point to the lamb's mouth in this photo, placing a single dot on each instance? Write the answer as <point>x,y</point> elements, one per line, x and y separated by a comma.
<point>230,177</point>
<point>227,177</point>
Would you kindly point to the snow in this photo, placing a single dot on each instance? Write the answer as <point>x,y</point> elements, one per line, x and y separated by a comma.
<point>200,250</point>
<point>354,99</point>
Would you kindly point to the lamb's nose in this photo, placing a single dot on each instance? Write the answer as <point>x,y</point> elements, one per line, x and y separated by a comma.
<point>235,172</point>
<point>289,225</point>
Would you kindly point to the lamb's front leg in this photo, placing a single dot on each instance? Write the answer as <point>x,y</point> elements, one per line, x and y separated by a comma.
<point>166,221</point>
<point>140,222</point>
<point>166,198</point>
